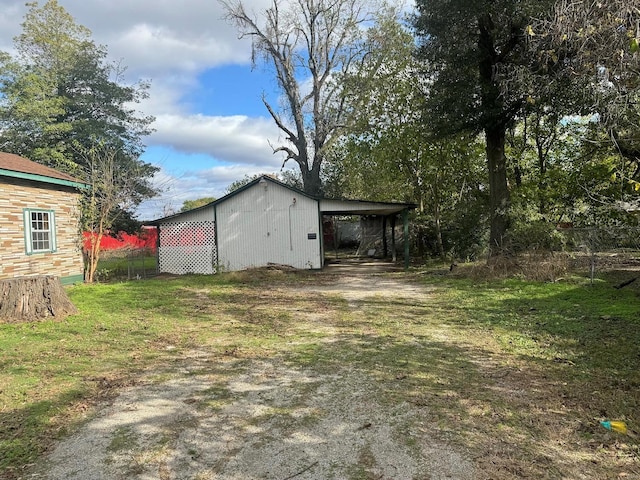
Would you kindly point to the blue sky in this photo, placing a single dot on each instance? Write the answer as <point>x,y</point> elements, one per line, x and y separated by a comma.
<point>231,90</point>
<point>211,125</point>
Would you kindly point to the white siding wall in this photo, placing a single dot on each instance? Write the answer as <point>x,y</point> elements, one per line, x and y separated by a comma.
<point>263,225</point>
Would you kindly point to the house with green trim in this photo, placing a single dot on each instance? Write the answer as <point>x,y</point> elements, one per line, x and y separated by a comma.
<point>39,221</point>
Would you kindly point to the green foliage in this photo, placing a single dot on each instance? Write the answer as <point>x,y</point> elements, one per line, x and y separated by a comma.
<point>537,235</point>
<point>237,184</point>
<point>125,222</point>
<point>460,40</point>
<point>191,204</point>
<point>62,104</point>
<point>592,47</point>
<point>483,69</point>
<point>567,171</point>
<point>59,94</point>
<point>389,153</point>
<point>287,177</point>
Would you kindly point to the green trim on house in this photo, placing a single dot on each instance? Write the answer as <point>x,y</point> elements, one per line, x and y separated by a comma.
<point>42,178</point>
<point>71,279</point>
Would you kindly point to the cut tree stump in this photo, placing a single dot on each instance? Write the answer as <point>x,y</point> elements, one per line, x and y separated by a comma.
<point>26,299</point>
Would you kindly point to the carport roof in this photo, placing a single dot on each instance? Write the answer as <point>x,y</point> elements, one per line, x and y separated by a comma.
<point>361,207</point>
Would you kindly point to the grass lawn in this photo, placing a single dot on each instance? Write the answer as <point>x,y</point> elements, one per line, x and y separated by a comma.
<point>574,348</point>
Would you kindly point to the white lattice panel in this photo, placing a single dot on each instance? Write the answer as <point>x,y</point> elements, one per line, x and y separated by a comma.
<point>187,247</point>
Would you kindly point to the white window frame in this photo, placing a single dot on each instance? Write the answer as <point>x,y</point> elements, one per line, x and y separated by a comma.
<point>29,230</point>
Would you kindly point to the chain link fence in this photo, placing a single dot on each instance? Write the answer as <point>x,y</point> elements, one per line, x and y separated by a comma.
<point>127,263</point>
<point>599,249</point>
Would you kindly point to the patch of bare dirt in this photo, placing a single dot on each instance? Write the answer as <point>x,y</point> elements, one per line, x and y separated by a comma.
<point>277,424</point>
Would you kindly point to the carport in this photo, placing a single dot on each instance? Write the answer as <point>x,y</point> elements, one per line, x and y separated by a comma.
<point>388,211</point>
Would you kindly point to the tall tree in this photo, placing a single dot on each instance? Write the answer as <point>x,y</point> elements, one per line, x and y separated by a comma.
<point>306,42</point>
<point>386,152</point>
<point>62,104</point>
<point>474,51</point>
<point>200,202</point>
<point>60,92</point>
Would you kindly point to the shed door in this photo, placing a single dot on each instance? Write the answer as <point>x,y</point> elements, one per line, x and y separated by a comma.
<point>187,247</point>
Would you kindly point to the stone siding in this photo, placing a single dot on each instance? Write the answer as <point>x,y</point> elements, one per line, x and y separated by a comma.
<point>15,196</point>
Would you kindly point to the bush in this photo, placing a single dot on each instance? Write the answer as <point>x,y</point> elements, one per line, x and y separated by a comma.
<point>535,236</point>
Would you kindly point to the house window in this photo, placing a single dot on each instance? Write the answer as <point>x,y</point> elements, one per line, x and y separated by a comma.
<point>40,233</point>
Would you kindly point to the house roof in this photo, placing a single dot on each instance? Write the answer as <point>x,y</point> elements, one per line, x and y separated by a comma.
<point>327,206</point>
<point>12,165</point>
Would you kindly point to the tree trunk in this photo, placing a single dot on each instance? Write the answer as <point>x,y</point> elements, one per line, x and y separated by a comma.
<point>26,299</point>
<point>437,218</point>
<point>311,181</point>
<point>542,171</point>
<point>93,256</point>
<point>495,130</point>
<point>498,190</point>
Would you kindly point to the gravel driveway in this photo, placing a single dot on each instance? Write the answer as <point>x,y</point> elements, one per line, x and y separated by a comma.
<point>207,417</point>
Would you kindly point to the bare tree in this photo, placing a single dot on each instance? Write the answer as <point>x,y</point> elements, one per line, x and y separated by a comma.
<point>115,185</point>
<point>307,42</point>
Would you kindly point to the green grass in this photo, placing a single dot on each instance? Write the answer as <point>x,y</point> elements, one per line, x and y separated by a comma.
<point>596,326</point>
<point>463,353</point>
<point>112,267</point>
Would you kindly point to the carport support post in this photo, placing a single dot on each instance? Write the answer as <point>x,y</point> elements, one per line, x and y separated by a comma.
<point>394,252</point>
<point>385,249</point>
<point>405,219</point>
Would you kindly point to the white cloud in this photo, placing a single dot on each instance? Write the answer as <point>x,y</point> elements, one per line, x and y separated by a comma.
<point>157,35</point>
<point>170,43</point>
<point>212,182</point>
<point>153,49</point>
<point>235,139</point>
<point>11,13</point>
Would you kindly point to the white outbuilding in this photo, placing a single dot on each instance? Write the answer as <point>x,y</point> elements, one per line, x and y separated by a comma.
<point>264,222</point>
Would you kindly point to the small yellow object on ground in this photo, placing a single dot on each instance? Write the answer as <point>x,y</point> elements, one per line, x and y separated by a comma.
<point>615,425</point>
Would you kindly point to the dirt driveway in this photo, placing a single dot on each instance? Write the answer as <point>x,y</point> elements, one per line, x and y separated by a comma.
<point>207,417</point>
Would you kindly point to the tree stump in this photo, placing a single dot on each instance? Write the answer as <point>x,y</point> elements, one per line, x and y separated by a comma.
<point>25,299</point>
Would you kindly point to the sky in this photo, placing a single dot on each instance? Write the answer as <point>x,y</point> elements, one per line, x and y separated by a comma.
<point>211,126</point>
